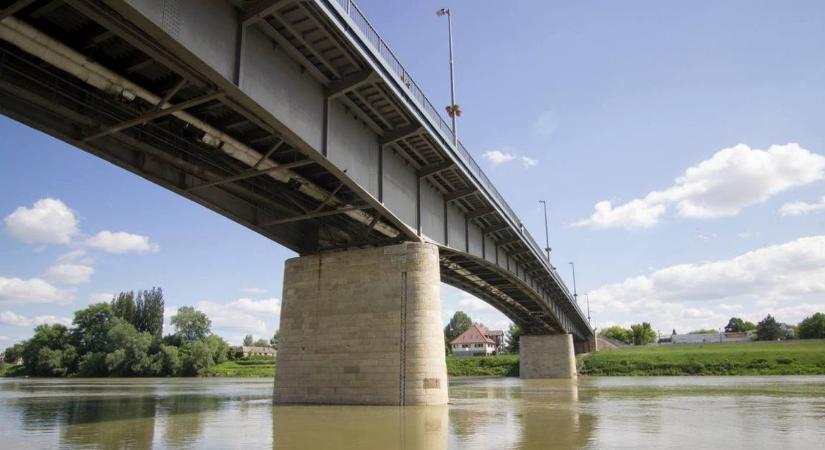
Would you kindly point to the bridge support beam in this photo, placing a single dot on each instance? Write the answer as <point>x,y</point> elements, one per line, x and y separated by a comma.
<point>547,356</point>
<point>362,327</point>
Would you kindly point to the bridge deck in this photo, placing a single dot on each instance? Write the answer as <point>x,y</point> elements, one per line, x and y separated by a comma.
<point>134,92</point>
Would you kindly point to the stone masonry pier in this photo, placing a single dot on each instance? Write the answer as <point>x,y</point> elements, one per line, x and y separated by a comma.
<point>362,327</point>
<point>547,356</point>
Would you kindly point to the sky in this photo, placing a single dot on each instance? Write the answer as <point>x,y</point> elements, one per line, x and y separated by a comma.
<point>679,147</point>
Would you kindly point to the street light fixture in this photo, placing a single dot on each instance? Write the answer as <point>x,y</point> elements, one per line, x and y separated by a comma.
<point>546,230</point>
<point>575,294</point>
<point>453,110</point>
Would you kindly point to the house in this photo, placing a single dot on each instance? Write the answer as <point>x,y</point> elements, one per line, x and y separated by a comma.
<point>245,351</point>
<point>478,341</point>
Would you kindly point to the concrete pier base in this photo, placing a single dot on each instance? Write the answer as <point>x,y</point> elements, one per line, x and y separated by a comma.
<point>362,327</point>
<point>548,356</point>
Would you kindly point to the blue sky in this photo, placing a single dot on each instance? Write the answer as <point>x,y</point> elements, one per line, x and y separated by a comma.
<point>576,103</point>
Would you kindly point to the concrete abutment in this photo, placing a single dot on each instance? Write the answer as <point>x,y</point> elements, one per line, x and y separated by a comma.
<point>362,327</point>
<point>547,356</point>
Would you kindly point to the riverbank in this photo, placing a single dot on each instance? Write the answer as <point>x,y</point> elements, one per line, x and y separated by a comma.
<point>480,366</point>
<point>799,357</point>
<point>243,368</point>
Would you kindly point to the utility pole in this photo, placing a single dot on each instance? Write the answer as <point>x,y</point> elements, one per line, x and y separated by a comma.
<point>575,294</point>
<point>546,230</point>
<point>453,110</point>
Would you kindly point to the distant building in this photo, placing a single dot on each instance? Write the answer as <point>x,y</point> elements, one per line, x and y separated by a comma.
<point>244,351</point>
<point>707,338</point>
<point>478,341</point>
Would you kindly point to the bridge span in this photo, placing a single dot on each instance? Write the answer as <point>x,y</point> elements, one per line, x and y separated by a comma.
<point>296,120</point>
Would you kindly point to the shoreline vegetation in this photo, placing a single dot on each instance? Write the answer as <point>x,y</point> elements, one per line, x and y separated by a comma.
<point>794,357</point>
<point>790,357</point>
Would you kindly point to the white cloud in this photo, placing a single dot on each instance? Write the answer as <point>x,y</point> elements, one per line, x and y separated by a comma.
<point>76,256</point>
<point>48,221</point>
<point>799,208</point>
<point>238,318</point>
<point>69,273</point>
<point>32,290</point>
<point>497,157</point>
<point>528,162</point>
<point>121,242</point>
<point>10,318</point>
<point>4,338</point>
<point>101,297</point>
<point>772,279</point>
<point>730,181</point>
<point>546,124</point>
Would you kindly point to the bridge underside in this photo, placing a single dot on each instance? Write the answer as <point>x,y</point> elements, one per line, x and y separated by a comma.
<point>363,170</point>
<point>85,72</point>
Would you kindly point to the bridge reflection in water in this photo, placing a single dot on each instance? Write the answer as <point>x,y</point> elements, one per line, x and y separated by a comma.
<point>506,413</point>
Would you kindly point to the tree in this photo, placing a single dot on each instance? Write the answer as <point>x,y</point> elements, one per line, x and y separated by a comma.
<point>618,333</point>
<point>459,323</point>
<point>149,312</point>
<point>275,339</point>
<point>197,358</point>
<point>768,329</point>
<point>12,354</point>
<point>169,360</point>
<point>737,325</point>
<point>643,334</point>
<point>811,327</point>
<point>191,324</point>
<point>129,355</point>
<point>261,343</point>
<point>247,341</point>
<point>49,352</point>
<point>704,331</point>
<point>124,306</point>
<point>512,338</point>
<point>90,333</point>
<point>219,349</point>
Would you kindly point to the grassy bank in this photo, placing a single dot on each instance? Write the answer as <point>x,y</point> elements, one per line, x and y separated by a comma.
<point>803,357</point>
<point>244,368</point>
<point>11,371</point>
<point>475,366</point>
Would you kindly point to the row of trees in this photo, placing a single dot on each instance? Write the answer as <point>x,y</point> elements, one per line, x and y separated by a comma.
<point>123,338</point>
<point>637,334</point>
<point>768,329</point>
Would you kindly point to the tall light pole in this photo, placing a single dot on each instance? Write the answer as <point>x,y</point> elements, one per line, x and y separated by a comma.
<point>546,230</point>
<point>575,294</point>
<point>587,297</point>
<point>453,110</point>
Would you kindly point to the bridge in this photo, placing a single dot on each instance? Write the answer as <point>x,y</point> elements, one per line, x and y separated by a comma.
<point>295,119</point>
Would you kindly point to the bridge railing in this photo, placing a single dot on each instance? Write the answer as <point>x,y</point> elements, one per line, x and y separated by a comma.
<point>365,27</point>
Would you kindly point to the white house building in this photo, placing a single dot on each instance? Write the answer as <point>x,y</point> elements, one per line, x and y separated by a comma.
<point>478,341</point>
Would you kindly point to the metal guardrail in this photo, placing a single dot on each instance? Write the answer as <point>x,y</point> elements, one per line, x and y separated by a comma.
<point>366,28</point>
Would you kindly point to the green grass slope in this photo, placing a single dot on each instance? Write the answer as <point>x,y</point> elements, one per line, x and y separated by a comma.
<point>244,368</point>
<point>799,357</point>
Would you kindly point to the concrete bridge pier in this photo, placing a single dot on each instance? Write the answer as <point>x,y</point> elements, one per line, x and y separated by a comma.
<point>547,356</point>
<point>362,327</point>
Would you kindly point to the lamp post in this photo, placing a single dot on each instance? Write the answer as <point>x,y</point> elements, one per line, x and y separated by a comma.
<point>575,294</point>
<point>453,110</point>
<point>546,230</point>
<point>587,297</point>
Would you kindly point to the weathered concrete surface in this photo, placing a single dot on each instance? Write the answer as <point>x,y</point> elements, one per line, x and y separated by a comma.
<point>549,356</point>
<point>362,327</point>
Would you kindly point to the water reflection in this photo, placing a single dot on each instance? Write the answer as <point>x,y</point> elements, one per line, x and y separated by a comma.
<point>359,427</point>
<point>735,412</point>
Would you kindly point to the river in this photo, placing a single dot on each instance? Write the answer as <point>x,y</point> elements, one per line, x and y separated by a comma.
<point>484,413</point>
